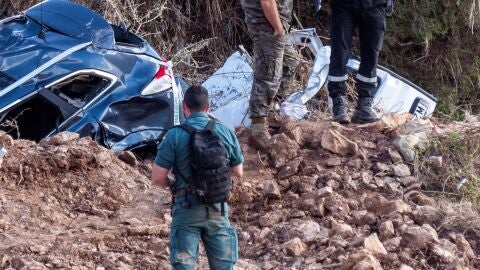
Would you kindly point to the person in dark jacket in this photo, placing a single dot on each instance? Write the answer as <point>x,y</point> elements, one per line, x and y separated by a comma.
<point>369,17</point>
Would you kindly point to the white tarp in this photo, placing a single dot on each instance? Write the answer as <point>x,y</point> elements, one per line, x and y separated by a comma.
<point>230,87</point>
<point>229,90</point>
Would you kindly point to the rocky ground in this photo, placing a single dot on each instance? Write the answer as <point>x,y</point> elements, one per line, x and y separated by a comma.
<point>325,197</point>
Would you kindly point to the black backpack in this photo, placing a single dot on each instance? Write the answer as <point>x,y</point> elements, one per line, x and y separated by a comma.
<point>210,180</point>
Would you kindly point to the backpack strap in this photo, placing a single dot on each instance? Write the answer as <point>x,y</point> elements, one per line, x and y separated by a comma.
<point>211,125</point>
<point>191,130</point>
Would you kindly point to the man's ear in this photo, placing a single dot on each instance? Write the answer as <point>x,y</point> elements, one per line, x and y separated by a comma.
<point>186,111</point>
<point>207,109</point>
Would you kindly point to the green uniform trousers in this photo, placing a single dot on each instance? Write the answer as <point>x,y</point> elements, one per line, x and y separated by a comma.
<point>198,222</point>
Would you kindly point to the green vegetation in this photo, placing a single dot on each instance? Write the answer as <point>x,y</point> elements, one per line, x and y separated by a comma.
<point>435,44</point>
<point>461,161</point>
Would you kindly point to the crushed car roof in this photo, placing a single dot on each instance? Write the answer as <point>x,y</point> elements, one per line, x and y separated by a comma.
<point>86,25</point>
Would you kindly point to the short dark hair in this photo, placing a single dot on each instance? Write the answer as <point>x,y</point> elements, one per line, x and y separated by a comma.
<point>196,98</point>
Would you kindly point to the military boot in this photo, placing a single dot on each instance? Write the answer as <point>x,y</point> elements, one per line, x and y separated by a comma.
<point>340,114</point>
<point>364,113</point>
<point>274,119</point>
<point>260,136</point>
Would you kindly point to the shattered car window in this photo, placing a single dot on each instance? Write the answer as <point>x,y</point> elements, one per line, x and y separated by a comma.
<point>79,90</point>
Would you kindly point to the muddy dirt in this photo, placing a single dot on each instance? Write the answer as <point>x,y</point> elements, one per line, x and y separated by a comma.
<point>325,197</point>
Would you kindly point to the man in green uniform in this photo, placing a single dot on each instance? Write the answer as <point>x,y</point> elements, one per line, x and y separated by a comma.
<point>193,221</point>
<point>275,60</point>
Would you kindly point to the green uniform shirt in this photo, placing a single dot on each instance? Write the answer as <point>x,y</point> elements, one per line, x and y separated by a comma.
<point>174,151</point>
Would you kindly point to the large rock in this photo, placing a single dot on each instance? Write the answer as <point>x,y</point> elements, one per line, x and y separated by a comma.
<point>398,206</point>
<point>295,247</point>
<point>308,231</point>
<point>392,244</point>
<point>419,198</point>
<point>404,147</point>
<point>342,230</point>
<point>362,260</point>
<point>400,170</point>
<point>127,157</point>
<point>386,230</point>
<point>313,205</point>
<point>324,192</point>
<point>374,202</point>
<point>271,189</point>
<point>382,167</point>
<point>427,214</point>
<point>325,253</point>
<point>363,217</point>
<point>373,244</point>
<point>61,138</point>
<point>333,162</point>
<point>395,156</point>
<point>282,149</point>
<point>290,169</point>
<point>270,219</point>
<point>416,237</point>
<point>335,142</point>
<point>337,205</point>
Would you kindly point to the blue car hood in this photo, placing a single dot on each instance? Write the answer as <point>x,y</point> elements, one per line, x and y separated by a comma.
<point>75,21</point>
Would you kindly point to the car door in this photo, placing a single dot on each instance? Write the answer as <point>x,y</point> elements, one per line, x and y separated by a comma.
<point>75,92</point>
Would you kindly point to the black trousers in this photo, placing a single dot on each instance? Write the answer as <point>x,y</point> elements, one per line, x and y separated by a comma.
<point>371,24</point>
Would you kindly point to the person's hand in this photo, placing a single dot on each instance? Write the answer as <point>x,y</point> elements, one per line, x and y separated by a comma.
<point>279,32</point>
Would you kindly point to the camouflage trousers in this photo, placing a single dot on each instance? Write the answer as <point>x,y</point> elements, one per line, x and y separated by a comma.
<point>275,62</point>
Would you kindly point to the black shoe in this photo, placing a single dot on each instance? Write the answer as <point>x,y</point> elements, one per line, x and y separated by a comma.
<point>364,113</point>
<point>340,114</point>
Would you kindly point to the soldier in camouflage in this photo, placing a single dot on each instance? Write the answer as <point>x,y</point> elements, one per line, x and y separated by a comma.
<point>275,61</point>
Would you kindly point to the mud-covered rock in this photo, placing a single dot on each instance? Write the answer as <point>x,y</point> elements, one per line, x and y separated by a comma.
<point>362,260</point>
<point>271,189</point>
<point>427,214</point>
<point>335,142</point>
<point>419,237</point>
<point>295,247</point>
<point>342,230</point>
<point>282,149</point>
<point>400,170</point>
<point>386,229</point>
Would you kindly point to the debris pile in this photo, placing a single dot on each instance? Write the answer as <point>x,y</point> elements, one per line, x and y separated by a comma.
<point>326,196</point>
<point>345,197</point>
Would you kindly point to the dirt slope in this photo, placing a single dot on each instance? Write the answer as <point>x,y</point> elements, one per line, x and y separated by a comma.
<point>325,197</point>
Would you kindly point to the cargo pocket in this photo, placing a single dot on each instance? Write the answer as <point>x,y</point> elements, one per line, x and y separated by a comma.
<point>268,55</point>
<point>183,247</point>
<point>234,243</point>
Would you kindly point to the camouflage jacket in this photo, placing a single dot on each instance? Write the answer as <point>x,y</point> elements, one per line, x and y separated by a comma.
<point>254,12</point>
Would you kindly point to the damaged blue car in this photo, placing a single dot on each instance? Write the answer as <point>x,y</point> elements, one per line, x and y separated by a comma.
<point>65,68</point>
